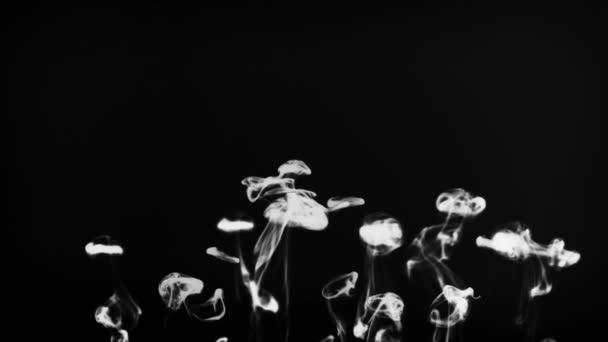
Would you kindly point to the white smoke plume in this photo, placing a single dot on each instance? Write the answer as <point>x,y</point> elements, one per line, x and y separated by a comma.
<point>381,319</point>
<point>339,287</point>
<point>289,207</point>
<point>433,245</point>
<point>175,289</point>
<point>381,234</point>
<point>119,313</point>
<point>458,309</point>
<point>433,248</point>
<point>514,241</point>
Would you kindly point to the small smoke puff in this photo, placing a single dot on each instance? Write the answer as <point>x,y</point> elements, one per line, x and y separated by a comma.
<point>222,339</point>
<point>381,235</point>
<point>295,168</point>
<point>387,304</point>
<point>460,202</point>
<point>359,329</point>
<point>103,245</point>
<point>176,287</point>
<point>341,286</point>
<point>337,203</point>
<point>215,252</point>
<point>230,226</point>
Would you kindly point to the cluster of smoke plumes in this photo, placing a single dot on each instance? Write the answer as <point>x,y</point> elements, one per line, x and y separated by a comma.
<point>379,315</point>
<point>288,207</point>
<point>119,313</point>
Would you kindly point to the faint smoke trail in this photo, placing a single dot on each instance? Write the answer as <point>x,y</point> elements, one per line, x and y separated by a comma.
<point>339,287</point>
<point>514,241</point>
<point>119,313</point>
<point>433,247</point>
<point>381,235</point>
<point>175,289</point>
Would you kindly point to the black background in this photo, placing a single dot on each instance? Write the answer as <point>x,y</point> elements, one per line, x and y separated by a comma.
<point>140,122</point>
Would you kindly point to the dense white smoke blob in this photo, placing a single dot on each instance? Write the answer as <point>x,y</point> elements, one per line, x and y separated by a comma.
<point>176,287</point>
<point>215,252</point>
<point>294,168</point>
<point>518,245</point>
<point>341,286</point>
<point>222,339</point>
<point>97,248</point>
<point>381,234</point>
<point>458,309</point>
<point>337,203</point>
<point>460,202</point>
<point>359,329</point>
<point>211,310</point>
<point>230,226</point>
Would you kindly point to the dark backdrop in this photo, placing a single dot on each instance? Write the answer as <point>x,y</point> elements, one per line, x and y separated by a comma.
<point>140,122</point>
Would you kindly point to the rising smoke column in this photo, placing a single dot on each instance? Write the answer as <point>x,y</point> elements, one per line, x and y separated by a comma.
<point>514,241</point>
<point>119,313</point>
<point>433,247</point>
<point>381,235</point>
